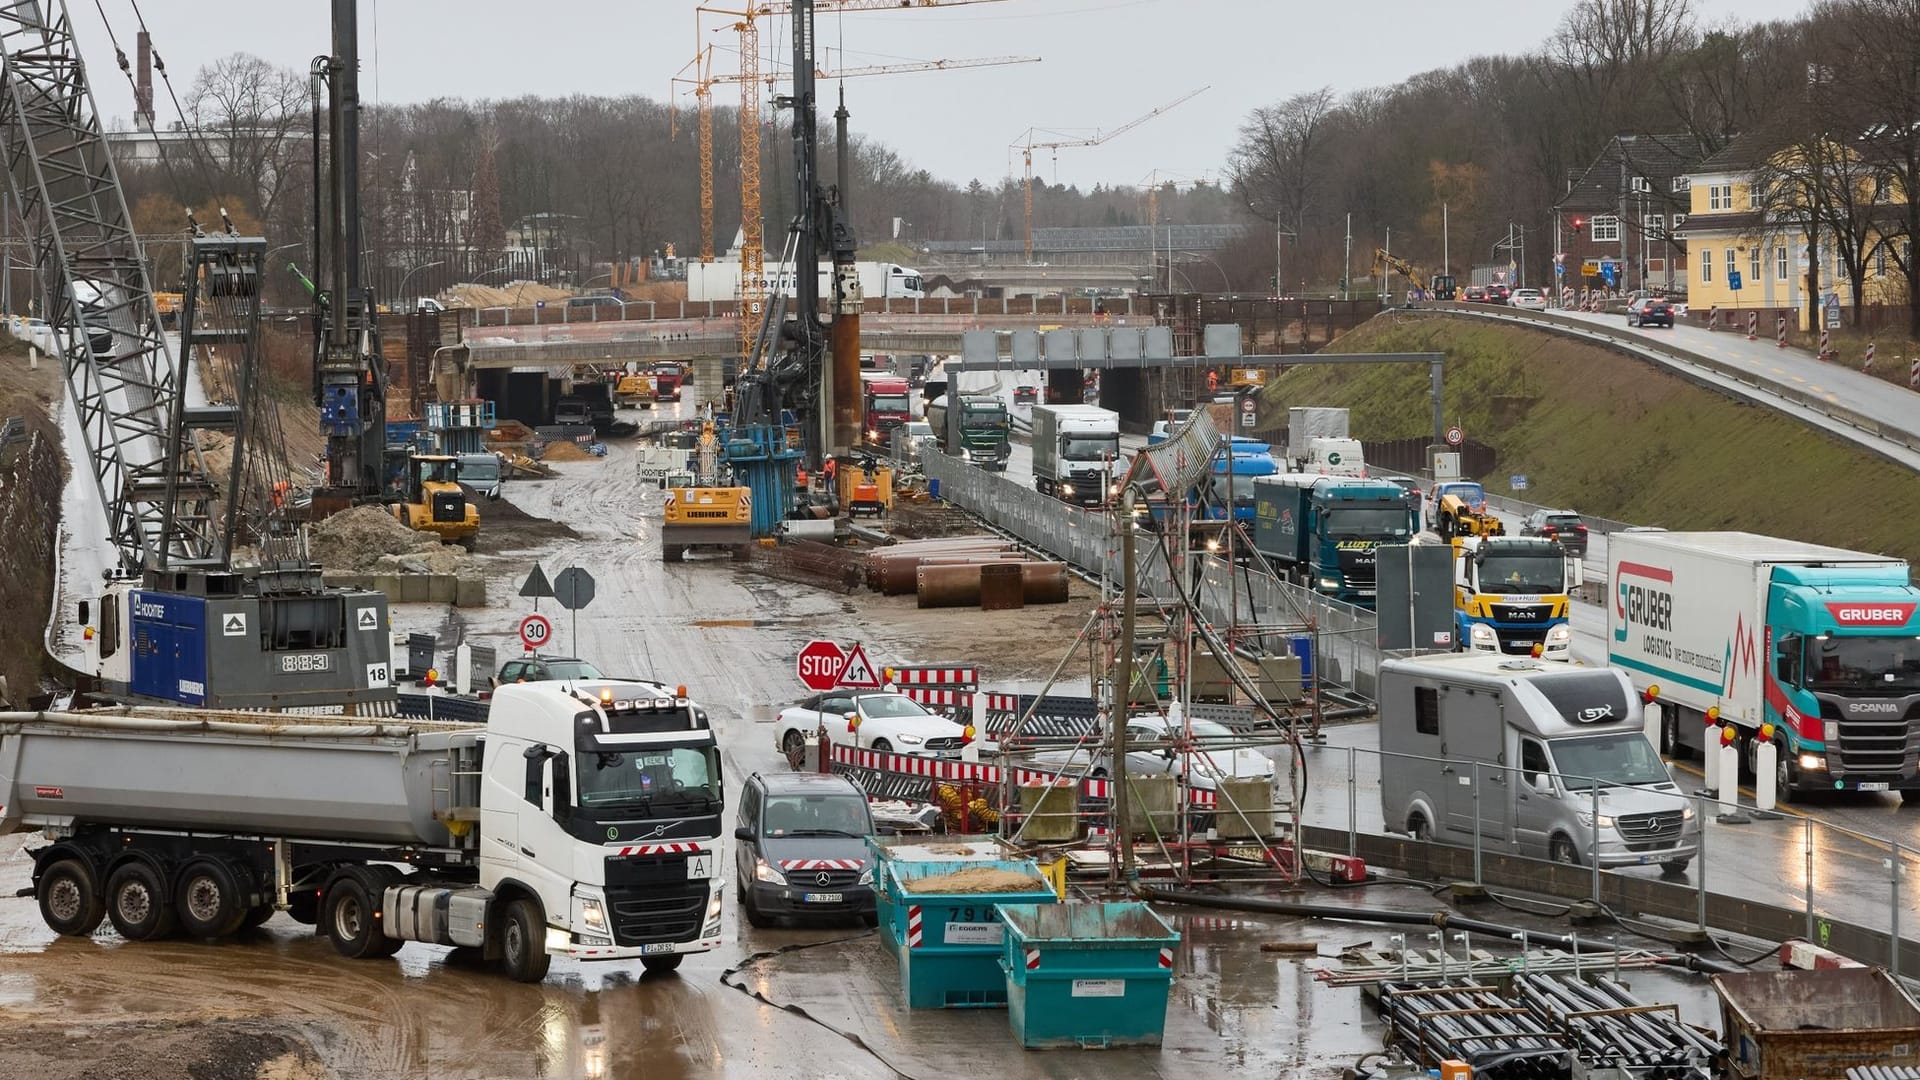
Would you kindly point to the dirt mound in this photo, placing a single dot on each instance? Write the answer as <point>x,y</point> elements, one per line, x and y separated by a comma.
<point>565,451</point>
<point>512,294</point>
<point>365,539</point>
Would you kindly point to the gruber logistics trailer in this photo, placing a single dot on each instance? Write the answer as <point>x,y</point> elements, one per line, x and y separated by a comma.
<point>588,828</point>
<point>1074,450</point>
<point>1322,531</point>
<point>1819,642</point>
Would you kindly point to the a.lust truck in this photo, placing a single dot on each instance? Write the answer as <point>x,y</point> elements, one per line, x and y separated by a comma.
<point>976,430</point>
<point>1820,642</point>
<point>588,828</point>
<point>1510,595</point>
<point>1074,450</point>
<point>1323,531</point>
<point>887,404</point>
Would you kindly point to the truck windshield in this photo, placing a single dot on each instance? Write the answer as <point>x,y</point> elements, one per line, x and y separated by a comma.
<point>1089,447</point>
<point>889,403</point>
<point>654,774</point>
<point>816,815</point>
<point>1542,573</point>
<point>1473,495</point>
<point>1873,666</point>
<point>1368,521</point>
<point>480,471</point>
<point>1615,760</point>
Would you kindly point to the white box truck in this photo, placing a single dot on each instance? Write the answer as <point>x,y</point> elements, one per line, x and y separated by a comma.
<point>1819,642</point>
<point>1075,450</point>
<point>1307,423</point>
<point>720,280</point>
<point>589,828</point>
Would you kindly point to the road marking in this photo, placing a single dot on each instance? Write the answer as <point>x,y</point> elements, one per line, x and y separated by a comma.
<point>1816,388</point>
<point>1798,379</point>
<point>1776,371</point>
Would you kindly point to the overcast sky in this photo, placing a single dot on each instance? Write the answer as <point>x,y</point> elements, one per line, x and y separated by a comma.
<point>1105,61</point>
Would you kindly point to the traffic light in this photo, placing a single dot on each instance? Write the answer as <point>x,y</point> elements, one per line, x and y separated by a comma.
<point>1578,224</point>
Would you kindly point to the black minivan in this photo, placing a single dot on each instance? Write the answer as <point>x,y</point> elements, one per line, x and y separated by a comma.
<point>802,849</point>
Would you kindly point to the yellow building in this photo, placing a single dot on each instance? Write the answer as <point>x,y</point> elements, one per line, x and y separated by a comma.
<point>1734,238</point>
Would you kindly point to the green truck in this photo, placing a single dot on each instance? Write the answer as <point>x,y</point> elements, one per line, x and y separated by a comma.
<point>977,430</point>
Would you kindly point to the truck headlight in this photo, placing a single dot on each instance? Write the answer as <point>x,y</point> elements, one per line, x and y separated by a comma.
<point>1560,635</point>
<point>1482,634</point>
<point>1329,582</point>
<point>1587,819</point>
<point>592,915</point>
<point>1066,489</point>
<point>763,872</point>
<point>1813,763</point>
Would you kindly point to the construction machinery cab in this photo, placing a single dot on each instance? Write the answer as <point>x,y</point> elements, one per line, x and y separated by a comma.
<point>434,501</point>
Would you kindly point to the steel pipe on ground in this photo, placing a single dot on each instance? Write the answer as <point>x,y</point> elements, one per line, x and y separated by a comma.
<point>897,577</point>
<point>959,586</point>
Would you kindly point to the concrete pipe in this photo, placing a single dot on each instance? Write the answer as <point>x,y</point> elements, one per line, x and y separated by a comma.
<point>897,577</point>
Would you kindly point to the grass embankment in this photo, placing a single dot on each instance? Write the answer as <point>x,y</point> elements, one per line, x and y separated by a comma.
<point>1616,437</point>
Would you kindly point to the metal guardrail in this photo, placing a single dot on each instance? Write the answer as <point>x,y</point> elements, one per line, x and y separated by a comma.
<point>1886,440</point>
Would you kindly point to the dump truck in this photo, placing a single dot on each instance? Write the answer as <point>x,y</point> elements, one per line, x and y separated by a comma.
<point>1323,531</point>
<point>1076,451</point>
<point>635,391</point>
<point>1818,642</point>
<point>886,404</point>
<point>589,828</point>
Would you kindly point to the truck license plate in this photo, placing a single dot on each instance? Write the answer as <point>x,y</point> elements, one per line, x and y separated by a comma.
<point>1873,785</point>
<point>824,897</point>
<point>657,947</point>
<point>699,867</point>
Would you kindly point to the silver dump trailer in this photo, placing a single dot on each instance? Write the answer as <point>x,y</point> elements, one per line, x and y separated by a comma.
<point>589,827</point>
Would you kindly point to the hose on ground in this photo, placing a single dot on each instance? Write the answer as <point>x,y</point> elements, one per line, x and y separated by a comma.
<point>727,980</point>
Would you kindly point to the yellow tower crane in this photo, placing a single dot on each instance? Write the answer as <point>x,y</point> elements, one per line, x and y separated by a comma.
<point>1026,145</point>
<point>753,294</point>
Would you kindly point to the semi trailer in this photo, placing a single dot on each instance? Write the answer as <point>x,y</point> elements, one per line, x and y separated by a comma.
<point>580,819</point>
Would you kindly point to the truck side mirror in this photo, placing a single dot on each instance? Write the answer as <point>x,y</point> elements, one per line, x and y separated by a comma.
<point>1542,784</point>
<point>743,833</point>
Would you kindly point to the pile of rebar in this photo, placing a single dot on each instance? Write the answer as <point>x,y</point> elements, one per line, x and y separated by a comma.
<point>923,519</point>
<point>1474,1024</point>
<point>1608,1026</point>
<point>809,562</point>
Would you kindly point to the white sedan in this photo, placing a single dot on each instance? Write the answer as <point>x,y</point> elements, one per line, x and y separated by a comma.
<point>1529,299</point>
<point>872,720</point>
<point>1208,765</point>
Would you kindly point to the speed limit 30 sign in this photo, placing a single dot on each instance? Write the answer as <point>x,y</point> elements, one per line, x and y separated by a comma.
<point>535,631</point>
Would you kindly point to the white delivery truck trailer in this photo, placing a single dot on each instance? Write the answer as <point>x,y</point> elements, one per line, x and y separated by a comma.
<point>1075,451</point>
<point>1818,642</point>
<point>589,827</point>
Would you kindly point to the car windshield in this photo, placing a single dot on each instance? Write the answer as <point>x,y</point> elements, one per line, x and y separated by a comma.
<point>816,815</point>
<point>655,774</point>
<point>1472,494</point>
<point>890,402</point>
<point>1089,448</point>
<point>890,705</point>
<point>1615,760</point>
<point>1863,666</point>
<point>572,670</point>
<point>1543,572</point>
<point>1368,521</point>
<point>488,469</point>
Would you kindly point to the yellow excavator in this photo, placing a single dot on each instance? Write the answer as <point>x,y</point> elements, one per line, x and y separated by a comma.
<point>1438,287</point>
<point>712,513</point>
<point>433,502</point>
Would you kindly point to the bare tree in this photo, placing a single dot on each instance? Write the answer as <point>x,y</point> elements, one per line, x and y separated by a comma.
<point>1276,167</point>
<point>252,119</point>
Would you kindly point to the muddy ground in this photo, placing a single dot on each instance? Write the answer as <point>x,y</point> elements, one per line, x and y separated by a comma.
<point>159,1050</point>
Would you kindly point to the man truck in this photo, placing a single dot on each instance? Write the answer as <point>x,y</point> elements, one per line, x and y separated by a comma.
<point>1075,448</point>
<point>887,405</point>
<point>1510,596</point>
<point>581,819</point>
<point>1818,642</point>
<point>1322,531</point>
<point>977,430</point>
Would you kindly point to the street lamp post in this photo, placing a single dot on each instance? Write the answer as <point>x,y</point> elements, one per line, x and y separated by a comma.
<point>1226,283</point>
<point>408,276</point>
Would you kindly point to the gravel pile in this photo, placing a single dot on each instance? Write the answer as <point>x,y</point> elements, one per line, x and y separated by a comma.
<point>369,539</point>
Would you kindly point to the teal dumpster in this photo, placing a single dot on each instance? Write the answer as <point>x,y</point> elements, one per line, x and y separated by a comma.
<point>918,847</point>
<point>1087,975</point>
<point>945,918</point>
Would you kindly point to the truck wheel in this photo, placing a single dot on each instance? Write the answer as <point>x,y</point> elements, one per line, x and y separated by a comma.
<point>1675,868</point>
<point>348,915</point>
<point>1670,734</point>
<point>740,551</point>
<point>662,965</point>
<point>1909,799</point>
<point>523,953</point>
<point>207,897</point>
<point>1562,851</point>
<point>1783,778</point>
<point>70,902</point>
<point>137,902</point>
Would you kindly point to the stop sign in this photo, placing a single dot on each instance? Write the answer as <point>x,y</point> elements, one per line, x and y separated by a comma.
<point>819,665</point>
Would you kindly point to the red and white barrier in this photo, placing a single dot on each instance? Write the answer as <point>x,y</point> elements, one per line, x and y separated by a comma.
<point>1913,376</point>
<point>1753,326</point>
<point>1780,331</point>
<point>1825,348</point>
<point>935,676</point>
<point>914,931</point>
<point>1807,956</point>
<point>969,772</point>
<point>1868,366</point>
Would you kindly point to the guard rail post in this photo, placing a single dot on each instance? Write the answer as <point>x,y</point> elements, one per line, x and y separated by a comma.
<point>1353,804</point>
<point>1700,871</point>
<point>1593,830</point>
<point>1476,827</point>
<point>1807,856</point>
<point>1893,946</point>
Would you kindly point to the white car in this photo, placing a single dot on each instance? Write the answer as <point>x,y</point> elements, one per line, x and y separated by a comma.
<point>1530,299</point>
<point>1208,765</point>
<point>871,720</point>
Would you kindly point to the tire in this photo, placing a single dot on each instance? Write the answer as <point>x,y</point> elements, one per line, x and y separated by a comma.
<point>206,897</point>
<point>348,917</point>
<point>665,964</point>
<point>1909,799</point>
<point>755,917</point>
<point>139,902</point>
<point>795,747</point>
<point>1675,868</point>
<point>1418,828</point>
<point>70,901</point>
<point>523,954</point>
<point>1783,779</point>
<point>1562,851</point>
<point>1670,733</point>
<point>882,746</point>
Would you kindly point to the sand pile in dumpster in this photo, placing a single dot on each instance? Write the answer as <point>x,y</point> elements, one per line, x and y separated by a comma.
<point>975,879</point>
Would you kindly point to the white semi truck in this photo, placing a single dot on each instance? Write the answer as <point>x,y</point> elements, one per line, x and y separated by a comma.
<point>720,280</point>
<point>579,820</point>
<point>1075,448</point>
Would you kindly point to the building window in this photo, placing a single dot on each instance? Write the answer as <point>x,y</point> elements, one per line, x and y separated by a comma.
<point>1880,261</point>
<point>1681,183</point>
<point>1653,223</point>
<point>1606,227</point>
<point>1733,264</point>
<point>1779,264</point>
<point>1753,198</point>
<point>1882,188</point>
<point>1720,197</point>
<point>1753,264</point>
<point>1706,266</point>
<point>1656,266</point>
<point>1640,185</point>
<point>1679,220</point>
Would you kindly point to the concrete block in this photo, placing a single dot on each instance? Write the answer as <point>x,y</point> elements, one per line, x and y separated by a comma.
<point>470,591</point>
<point>439,588</point>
